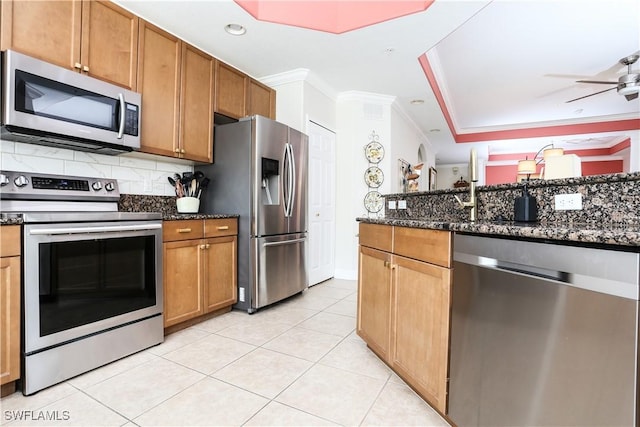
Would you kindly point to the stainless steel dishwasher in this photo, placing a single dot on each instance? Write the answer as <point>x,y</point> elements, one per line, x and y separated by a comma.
<point>543,334</point>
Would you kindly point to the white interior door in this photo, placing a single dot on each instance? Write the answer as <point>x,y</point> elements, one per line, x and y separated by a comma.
<point>322,203</point>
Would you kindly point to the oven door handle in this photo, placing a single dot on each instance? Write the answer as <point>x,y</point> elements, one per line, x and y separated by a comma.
<point>98,229</point>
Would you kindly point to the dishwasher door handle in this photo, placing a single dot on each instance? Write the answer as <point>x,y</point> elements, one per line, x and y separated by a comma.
<point>559,276</point>
<point>583,281</point>
<point>530,270</point>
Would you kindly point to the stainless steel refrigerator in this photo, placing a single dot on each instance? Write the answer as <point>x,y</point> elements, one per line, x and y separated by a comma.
<point>260,172</point>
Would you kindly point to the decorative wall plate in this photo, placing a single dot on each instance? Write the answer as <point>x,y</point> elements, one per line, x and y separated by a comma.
<point>373,177</point>
<point>374,151</point>
<point>373,201</point>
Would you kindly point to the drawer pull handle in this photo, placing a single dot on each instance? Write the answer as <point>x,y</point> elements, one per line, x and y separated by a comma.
<point>184,230</point>
<point>223,227</point>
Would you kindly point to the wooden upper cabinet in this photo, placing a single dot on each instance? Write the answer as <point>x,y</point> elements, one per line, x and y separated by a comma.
<point>261,100</point>
<point>109,43</point>
<point>47,30</point>
<point>94,37</point>
<point>196,104</point>
<point>231,91</point>
<point>160,56</point>
<point>176,81</point>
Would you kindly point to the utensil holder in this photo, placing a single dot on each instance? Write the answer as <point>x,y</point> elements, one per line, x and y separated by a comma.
<point>188,204</point>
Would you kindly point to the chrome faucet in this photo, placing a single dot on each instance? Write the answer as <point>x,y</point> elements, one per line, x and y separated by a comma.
<point>473,201</point>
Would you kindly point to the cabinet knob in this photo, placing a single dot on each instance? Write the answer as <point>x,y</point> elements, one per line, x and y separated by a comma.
<point>177,150</point>
<point>184,230</point>
<point>182,150</point>
<point>207,246</point>
<point>85,68</point>
<point>77,65</point>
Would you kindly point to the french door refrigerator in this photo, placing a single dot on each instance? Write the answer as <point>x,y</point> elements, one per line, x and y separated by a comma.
<point>260,173</point>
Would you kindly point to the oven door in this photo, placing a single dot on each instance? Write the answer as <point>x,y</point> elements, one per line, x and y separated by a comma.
<point>85,278</point>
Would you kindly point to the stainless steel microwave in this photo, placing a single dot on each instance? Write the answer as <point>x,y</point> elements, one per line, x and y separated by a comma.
<point>49,105</point>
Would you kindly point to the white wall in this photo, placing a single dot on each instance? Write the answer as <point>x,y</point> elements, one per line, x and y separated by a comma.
<point>136,173</point>
<point>302,96</point>
<point>406,139</point>
<point>448,174</point>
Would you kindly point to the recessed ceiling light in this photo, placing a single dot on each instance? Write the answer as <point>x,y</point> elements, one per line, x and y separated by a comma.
<point>235,29</point>
<point>578,111</point>
<point>417,101</point>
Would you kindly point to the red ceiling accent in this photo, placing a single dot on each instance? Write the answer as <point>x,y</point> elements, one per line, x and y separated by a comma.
<point>585,152</point>
<point>331,16</point>
<point>574,129</point>
<point>621,146</point>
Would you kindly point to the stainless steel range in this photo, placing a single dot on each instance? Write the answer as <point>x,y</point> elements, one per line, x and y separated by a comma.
<point>92,276</point>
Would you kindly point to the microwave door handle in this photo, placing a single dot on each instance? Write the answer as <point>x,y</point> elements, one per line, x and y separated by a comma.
<point>122,115</point>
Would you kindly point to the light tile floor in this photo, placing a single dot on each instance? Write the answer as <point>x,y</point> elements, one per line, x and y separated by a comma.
<point>296,363</point>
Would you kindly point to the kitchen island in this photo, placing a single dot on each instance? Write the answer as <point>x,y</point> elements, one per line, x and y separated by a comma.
<point>418,297</point>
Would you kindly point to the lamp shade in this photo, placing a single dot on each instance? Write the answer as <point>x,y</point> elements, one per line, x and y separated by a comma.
<point>526,167</point>
<point>552,152</point>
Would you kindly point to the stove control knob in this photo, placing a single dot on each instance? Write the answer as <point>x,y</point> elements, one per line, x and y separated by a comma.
<point>97,186</point>
<point>109,186</point>
<point>21,181</point>
<point>4,180</point>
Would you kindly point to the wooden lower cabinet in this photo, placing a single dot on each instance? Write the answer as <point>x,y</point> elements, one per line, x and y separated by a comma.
<point>9,308</point>
<point>421,327</point>
<point>404,305</point>
<point>200,274</point>
<point>374,300</point>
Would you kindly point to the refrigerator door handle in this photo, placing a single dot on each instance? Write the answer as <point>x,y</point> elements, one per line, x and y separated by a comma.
<point>285,179</point>
<point>289,180</point>
<point>292,179</point>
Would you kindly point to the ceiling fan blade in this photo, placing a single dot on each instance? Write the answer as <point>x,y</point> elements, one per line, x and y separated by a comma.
<point>597,82</point>
<point>586,96</point>
<point>632,96</point>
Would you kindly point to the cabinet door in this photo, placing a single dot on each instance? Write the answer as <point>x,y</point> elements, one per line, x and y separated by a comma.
<point>420,334</point>
<point>159,82</point>
<point>374,300</point>
<point>183,273</point>
<point>262,100</point>
<point>196,105</point>
<point>109,43</point>
<point>231,91</point>
<point>47,30</point>
<point>220,288</point>
<point>9,319</point>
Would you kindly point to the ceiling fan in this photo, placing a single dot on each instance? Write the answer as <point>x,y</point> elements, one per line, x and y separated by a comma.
<point>627,85</point>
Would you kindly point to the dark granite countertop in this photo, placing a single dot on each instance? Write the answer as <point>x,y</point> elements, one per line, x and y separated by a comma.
<point>10,219</point>
<point>179,216</point>
<point>611,234</point>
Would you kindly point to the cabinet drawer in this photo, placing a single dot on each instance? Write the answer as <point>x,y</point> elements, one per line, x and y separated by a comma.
<point>432,246</point>
<point>182,230</point>
<point>9,240</point>
<point>220,227</point>
<point>376,236</point>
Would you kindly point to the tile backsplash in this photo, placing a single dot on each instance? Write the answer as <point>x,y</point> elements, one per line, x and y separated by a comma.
<point>137,173</point>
